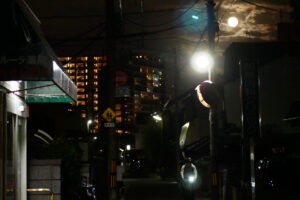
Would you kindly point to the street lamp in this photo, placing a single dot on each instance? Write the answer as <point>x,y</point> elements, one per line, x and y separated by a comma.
<point>202,62</point>
<point>157,117</point>
<point>89,122</point>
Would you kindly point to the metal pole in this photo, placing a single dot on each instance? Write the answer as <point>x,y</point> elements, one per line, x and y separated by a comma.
<point>213,118</point>
<point>109,98</point>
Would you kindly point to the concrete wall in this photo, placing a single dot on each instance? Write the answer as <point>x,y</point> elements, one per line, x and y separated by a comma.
<point>44,174</point>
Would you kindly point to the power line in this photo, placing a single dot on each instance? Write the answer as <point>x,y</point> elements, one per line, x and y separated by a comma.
<point>158,31</point>
<point>145,33</point>
<point>80,35</point>
<point>167,22</point>
<point>264,7</point>
<point>99,15</point>
<point>90,43</point>
<point>200,39</point>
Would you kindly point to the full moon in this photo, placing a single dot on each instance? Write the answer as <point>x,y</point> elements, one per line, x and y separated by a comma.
<point>232,21</point>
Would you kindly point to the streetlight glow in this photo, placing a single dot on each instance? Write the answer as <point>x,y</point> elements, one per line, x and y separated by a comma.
<point>89,122</point>
<point>202,62</point>
<point>157,117</point>
<point>232,22</point>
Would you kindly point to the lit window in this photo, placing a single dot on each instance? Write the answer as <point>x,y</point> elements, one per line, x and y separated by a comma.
<point>80,84</point>
<point>118,113</point>
<point>155,84</point>
<point>80,90</point>
<point>83,115</point>
<point>118,106</point>
<point>149,89</point>
<point>95,108</point>
<point>81,103</point>
<point>119,132</point>
<point>155,96</point>
<point>118,119</point>
<point>155,77</point>
<point>149,76</point>
<point>80,96</point>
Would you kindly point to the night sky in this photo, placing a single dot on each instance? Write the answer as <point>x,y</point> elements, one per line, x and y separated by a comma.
<point>168,25</point>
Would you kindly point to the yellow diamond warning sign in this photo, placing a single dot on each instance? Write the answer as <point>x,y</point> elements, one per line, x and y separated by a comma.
<point>109,115</point>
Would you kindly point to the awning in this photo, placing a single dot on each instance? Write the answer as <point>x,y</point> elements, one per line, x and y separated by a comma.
<point>27,56</point>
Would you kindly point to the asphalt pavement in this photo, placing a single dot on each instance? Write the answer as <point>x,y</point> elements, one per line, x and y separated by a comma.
<point>153,189</point>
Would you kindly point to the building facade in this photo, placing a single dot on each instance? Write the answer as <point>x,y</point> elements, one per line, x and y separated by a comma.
<point>84,71</point>
<point>139,91</point>
<point>139,94</point>
<point>29,72</point>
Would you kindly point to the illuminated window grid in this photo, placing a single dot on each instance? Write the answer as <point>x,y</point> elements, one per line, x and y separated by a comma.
<point>79,74</point>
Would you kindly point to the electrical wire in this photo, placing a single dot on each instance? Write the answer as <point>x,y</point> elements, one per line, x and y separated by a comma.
<point>79,35</point>
<point>158,31</point>
<point>99,15</point>
<point>90,43</point>
<point>264,7</point>
<point>33,88</point>
<point>167,22</point>
<point>200,39</point>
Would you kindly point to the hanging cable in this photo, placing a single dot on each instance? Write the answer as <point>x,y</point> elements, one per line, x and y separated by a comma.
<point>200,39</point>
<point>167,22</point>
<point>264,7</point>
<point>90,43</point>
<point>94,28</point>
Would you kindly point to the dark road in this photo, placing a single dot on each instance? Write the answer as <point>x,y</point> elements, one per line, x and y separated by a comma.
<point>152,189</point>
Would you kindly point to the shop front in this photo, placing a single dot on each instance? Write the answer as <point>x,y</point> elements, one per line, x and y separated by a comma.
<point>29,72</point>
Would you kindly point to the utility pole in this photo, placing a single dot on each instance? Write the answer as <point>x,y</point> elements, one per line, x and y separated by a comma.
<point>107,102</point>
<point>212,28</point>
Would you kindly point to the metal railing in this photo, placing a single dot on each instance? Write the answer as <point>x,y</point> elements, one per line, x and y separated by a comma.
<point>42,190</point>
